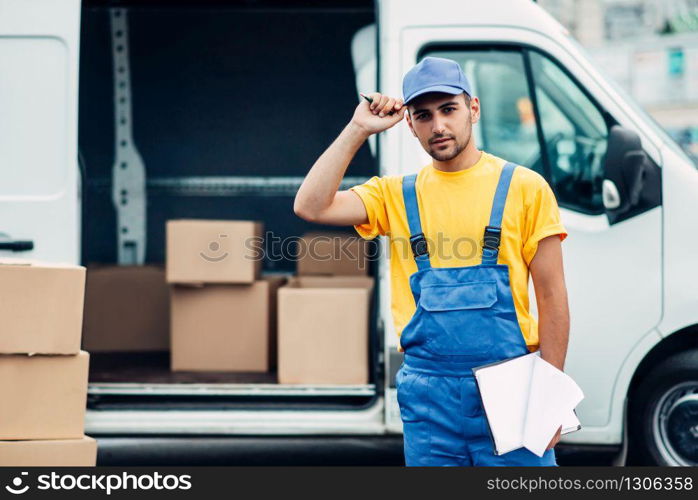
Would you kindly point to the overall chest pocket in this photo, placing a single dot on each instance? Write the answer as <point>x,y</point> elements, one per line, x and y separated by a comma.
<point>459,318</point>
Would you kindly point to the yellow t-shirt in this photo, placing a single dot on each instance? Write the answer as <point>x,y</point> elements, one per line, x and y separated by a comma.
<point>454,209</point>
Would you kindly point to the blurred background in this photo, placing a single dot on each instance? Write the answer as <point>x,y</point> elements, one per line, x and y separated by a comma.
<point>650,47</point>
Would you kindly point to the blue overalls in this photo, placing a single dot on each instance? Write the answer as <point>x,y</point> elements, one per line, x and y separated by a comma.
<point>465,317</point>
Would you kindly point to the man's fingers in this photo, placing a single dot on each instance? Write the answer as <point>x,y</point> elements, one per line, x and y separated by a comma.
<point>384,105</point>
<point>376,101</point>
<point>387,106</point>
<point>381,104</point>
<point>376,96</point>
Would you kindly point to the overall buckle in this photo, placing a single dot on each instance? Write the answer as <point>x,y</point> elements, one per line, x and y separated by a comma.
<point>418,243</point>
<point>492,237</point>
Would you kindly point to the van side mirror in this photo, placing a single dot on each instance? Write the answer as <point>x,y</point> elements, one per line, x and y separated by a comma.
<point>626,168</point>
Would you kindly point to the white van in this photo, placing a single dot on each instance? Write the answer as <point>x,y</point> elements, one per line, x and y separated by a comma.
<point>118,115</point>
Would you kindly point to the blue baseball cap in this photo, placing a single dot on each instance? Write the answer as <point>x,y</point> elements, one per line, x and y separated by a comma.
<point>434,74</point>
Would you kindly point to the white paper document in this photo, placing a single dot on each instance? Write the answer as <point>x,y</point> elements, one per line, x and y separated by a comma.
<point>526,399</point>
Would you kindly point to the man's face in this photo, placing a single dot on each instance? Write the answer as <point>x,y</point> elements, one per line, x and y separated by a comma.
<point>443,123</point>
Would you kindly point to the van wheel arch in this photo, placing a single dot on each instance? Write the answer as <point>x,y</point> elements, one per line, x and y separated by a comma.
<point>662,395</point>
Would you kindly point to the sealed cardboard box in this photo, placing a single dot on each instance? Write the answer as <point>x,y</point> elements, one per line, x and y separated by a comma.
<point>323,330</point>
<point>41,307</point>
<point>43,397</point>
<point>225,327</point>
<point>127,308</point>
<point>214,251</point>
<point>49,453</point>
<point>331,253</point>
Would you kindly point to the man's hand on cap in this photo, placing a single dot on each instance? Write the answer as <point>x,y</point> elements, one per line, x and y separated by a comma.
<point>374,117</point>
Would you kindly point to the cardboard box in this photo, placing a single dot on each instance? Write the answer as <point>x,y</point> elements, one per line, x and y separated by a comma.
<point>43,397</point>
<point>127,308</point>
<point>323,330</point>
<point>41,307</point>
<point>49,453</point>
<point>214,251</point>
<point>331,254</point>
<point>225,327</point>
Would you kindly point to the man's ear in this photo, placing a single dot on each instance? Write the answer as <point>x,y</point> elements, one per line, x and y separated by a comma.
<point>474,110</point>
<point>409,123</point>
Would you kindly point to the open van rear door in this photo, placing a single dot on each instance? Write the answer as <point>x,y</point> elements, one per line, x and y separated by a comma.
<point>544,105</point>
<point>39,172</point>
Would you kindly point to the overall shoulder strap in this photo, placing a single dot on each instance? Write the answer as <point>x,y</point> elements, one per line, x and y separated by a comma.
<point>418,243</point>
<point>493,232</point>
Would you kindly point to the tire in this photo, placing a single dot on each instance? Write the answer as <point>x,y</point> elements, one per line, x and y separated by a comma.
<point>664,413</point>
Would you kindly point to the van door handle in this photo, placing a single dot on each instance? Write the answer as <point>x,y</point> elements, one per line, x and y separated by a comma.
<point>17,245</point>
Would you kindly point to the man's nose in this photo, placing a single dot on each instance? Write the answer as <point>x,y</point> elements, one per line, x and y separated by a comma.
<point>438,126</point>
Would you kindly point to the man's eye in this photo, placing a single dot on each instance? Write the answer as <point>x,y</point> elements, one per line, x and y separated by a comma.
<point>448,108</point>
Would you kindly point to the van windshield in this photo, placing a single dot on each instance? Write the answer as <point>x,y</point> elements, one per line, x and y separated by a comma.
<point>658,129</point>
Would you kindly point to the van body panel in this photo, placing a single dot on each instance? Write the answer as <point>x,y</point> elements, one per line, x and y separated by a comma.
<point>680,188</point>
<point>612,433</point>
<point>39,196</point>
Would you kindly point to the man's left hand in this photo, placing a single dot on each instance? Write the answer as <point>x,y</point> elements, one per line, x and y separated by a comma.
<point>555,439</point>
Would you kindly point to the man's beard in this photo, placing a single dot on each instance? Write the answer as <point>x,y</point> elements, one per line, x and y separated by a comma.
<point>449,155</point>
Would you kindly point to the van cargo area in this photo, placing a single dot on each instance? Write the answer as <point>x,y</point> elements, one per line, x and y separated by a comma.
<point>228,105</point>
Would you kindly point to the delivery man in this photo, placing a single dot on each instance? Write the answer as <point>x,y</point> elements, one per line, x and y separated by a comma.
<point>474,227</point>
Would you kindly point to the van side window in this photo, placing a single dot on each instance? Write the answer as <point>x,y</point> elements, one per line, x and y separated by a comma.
<point>575,135</point>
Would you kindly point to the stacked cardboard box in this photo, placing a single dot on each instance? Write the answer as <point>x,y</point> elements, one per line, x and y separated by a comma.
<point>43,372</point>
<point>223,313</point>
<point>324,313</point>
<point>49,453</point>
